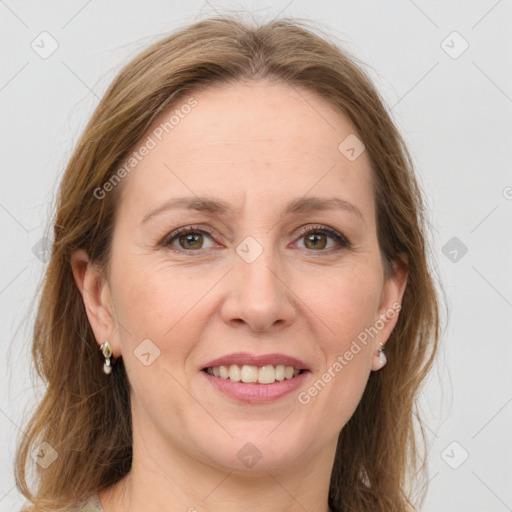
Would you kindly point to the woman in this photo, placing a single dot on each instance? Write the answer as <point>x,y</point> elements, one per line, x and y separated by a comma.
<point>238,311</point>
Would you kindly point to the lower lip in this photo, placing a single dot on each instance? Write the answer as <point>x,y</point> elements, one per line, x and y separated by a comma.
<point>254,392</point>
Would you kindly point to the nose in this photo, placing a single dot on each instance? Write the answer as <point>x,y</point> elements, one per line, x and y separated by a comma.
<point>258,294</point>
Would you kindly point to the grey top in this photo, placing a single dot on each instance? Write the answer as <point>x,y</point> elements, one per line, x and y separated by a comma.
<point>92,504</point>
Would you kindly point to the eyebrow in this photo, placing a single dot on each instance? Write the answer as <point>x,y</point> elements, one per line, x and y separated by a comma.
<point>219,207</point>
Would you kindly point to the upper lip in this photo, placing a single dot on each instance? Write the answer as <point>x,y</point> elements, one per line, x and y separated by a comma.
<point>241,358</point>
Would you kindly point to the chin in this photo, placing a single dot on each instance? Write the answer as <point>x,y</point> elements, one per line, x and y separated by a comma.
<point>255,452</point>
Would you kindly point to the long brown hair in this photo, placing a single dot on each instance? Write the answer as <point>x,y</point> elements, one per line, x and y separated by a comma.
<point>84,416</point>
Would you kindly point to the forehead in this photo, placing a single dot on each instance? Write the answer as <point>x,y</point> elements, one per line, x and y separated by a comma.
<point>268,138</point>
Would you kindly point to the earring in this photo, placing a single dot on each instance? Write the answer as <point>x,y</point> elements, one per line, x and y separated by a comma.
<point>382,357</point>
<point>107,354</point>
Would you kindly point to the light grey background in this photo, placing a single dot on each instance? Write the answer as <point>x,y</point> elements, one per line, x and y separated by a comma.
<point>454,110</point>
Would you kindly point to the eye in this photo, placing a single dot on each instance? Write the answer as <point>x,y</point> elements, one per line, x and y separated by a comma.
<point>192,238</point>
<point>188,238</point>
<point>316,238</point>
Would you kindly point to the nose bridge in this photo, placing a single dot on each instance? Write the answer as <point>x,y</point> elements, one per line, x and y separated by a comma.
<point>258,294</point>
<point>257,264</point>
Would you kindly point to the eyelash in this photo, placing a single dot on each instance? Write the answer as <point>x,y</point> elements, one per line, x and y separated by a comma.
<point>341,240</point>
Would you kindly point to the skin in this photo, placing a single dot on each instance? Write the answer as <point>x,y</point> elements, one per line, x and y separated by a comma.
<point>257,146</point>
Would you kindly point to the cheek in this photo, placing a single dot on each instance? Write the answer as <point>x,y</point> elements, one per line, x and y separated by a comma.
<point>161,316</point>
<point>340,311</point>
<point>154,298</point>
<point>344,303</point>
<point>171,308</point>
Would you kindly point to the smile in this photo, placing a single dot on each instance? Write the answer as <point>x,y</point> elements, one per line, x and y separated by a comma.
<point>250,374</point>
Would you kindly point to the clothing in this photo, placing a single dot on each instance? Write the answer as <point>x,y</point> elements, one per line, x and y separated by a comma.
<point>92,504</point>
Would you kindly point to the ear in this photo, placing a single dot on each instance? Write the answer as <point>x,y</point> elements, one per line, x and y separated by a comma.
<point>390,305</point>
<point>95,292</point>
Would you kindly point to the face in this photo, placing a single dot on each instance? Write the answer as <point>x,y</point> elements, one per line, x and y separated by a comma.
<point>279,259</point>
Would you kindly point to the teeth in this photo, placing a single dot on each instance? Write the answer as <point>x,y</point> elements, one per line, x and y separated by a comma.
<point>248,374</point>
<point>267,375</point>
<point>280,372</point>
<point>234,373</point>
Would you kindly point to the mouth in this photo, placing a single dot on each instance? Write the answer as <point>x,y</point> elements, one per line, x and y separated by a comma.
<point>250,374</point>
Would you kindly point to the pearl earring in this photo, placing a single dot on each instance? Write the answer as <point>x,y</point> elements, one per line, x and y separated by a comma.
<point>382,357</point>
<point>107,353</point>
